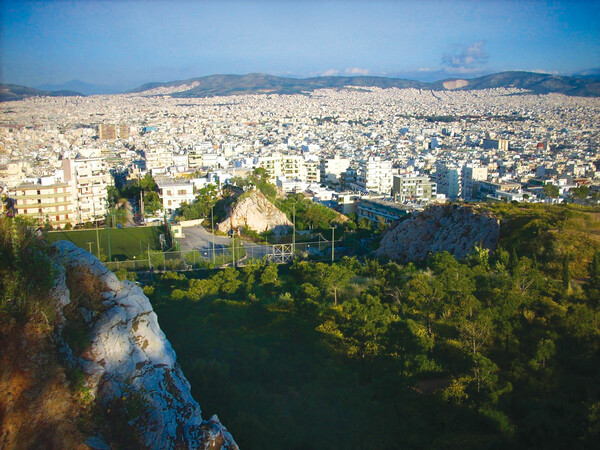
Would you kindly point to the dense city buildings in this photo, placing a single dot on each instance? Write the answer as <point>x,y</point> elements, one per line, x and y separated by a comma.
<point>407,145</point>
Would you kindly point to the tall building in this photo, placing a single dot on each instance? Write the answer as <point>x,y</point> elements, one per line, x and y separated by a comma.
<point>332,170</point>
<point>89,179</point>
<point>495,144</point>
<point>448,178</point>
<point>414,188</point>
<point>375,175</point>
<point>112,131</point>
<point>470,175</point>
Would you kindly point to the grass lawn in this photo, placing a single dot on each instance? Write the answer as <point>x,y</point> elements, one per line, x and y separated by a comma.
<point>125,243</point>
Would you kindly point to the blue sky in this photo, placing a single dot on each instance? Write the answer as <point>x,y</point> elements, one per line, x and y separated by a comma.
<point>127,43</point>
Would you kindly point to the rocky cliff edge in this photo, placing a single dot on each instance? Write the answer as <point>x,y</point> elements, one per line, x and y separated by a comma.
<point>128,358</point>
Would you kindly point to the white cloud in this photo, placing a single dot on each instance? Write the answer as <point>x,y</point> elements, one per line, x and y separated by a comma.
<point>330,73</point>
<point>356,71</point>
<point>469,59</point>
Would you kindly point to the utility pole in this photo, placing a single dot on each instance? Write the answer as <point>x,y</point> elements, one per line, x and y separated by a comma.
<point>332,244</point>
<point>212,228</point>
<point>233,250</point>
<point>294,229</point>
<point>97,235</point>
<point>108,233</point>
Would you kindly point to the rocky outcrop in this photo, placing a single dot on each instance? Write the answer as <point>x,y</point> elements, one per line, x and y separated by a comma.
<point>129,360</point>
<point>452,228</point>
<point>256,212</point>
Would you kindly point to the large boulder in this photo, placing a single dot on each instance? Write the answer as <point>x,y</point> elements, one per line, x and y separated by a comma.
<point>451,228</point>
<point>255,211</point>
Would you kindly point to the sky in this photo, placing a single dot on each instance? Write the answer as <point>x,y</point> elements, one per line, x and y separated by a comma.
<point>127,43</point>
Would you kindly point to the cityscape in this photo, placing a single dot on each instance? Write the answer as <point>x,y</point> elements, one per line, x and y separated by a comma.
<point>272,224</point>
<point>405,147</point>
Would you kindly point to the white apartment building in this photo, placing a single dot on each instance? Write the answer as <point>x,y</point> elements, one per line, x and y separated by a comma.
<point>448,180</point>
<point>158,160</point>
<point>174,193</point>
<point>470,175</point>
<point>414,188</point>
<point>290,167</point>
<point>200,155</point>
<point>332,170</point>
<point>375,175</point>
<point>89,179</point>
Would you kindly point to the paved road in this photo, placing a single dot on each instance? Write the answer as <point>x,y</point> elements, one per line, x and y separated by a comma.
<point>198,238</point>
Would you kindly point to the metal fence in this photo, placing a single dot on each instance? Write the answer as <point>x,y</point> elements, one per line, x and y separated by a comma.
<point>240,254</point>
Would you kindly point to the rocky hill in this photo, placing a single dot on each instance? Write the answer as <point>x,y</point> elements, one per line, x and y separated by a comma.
<point>255,211</point>
<point>452,228</point>
<point>112,348</point>
<point>260,83</point>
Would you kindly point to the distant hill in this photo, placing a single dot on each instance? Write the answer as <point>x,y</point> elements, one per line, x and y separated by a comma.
<point>11,92</point>
<point>81,86</point>
<point>256,83</point>
<point>583,85</point>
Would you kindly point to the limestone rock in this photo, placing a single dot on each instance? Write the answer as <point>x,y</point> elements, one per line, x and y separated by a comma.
<point>452,228</point>
<point>257,213</point>
<point>129,356</point>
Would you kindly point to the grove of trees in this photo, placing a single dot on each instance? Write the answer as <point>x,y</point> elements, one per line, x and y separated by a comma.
<point>493,351</point>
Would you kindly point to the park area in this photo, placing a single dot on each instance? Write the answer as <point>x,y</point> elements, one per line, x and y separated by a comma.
<point>125,243</point>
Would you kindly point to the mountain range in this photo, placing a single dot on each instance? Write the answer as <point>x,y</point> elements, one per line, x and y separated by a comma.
<point>9,92</point>
<point>258,83</point>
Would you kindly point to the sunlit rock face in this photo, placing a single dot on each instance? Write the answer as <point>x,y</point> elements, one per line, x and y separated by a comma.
<point>454,229</point>
<point>129,356</point>
<point>257,213</point>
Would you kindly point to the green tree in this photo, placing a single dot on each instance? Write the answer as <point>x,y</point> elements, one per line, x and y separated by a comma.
<point>424,297</point>
<point>580,193</point>
<point>551,190</point>
<point>334,277</point>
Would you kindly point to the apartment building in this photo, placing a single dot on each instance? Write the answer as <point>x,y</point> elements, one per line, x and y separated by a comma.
<point>45,201</point>
<point>332,170</point>
<point>290,167</point>
<point>201,155</point>
<point>470,175</point>
<point>89,179</point>
<point>158,160</point>
<point>174,193</point>
<point>414,188</point>
<point>449,180</point>
<point>113,131</point>
<point>375,175</point>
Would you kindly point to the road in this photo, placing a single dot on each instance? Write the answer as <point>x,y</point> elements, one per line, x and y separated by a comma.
<point>198,238</point>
